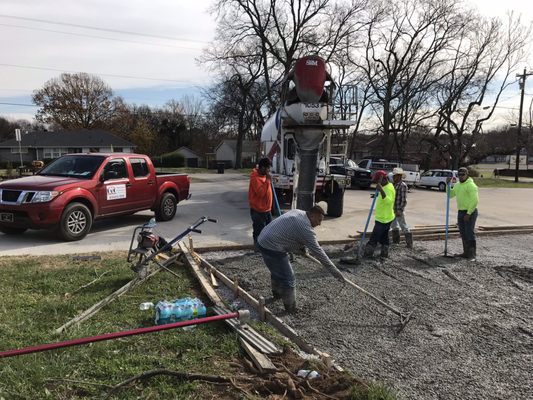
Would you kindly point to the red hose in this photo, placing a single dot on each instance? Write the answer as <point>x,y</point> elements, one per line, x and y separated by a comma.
<point>114,335</point>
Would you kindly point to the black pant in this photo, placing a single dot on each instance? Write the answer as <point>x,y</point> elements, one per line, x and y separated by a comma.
<point>467,229</point>
<point>380,234</point>
<point>259,221</point>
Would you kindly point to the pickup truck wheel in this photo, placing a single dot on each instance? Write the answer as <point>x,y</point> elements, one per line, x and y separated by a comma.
<point>336,202</point>
<point>76,222</point>
<point>167,207</point>
<point>12,231</point>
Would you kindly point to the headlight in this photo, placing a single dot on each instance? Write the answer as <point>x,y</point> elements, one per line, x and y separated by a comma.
<point>43,197</point>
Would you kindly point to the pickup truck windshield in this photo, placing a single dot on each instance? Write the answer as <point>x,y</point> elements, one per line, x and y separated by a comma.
<point>75,166</point>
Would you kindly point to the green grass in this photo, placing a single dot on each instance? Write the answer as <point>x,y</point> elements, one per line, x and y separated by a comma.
<point>34,304</point>
<point>501,183</point>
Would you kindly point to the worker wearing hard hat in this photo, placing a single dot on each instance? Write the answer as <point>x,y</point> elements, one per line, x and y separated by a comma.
<point>400,202</point>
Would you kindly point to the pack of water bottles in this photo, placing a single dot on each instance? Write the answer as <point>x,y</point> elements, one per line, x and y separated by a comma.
<point>177,310</point>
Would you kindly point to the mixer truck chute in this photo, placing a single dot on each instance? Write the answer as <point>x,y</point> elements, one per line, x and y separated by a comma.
<point>297,138</point>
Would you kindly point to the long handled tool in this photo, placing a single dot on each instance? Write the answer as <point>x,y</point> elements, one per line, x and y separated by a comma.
<point>404,318</point>
<point>447,220</point>
<point>275,198</point>
<point>357,258</point>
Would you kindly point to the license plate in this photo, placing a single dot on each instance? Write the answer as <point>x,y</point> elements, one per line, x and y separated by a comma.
<point>6,217</point>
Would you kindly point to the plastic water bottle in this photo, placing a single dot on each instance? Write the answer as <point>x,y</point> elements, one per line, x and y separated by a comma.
<point>198,308</point>
<point>308,374</point>
<point>163,312</point>
<point>146,306</point>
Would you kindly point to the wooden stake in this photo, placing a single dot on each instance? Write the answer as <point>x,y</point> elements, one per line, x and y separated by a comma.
<point>262,308</point>
<point>191,247</point>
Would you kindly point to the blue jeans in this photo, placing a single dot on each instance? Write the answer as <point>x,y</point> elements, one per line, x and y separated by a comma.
<point>466,229</point>
<point>380,234</point>
<point>259,221</point>
<point>279,266</point>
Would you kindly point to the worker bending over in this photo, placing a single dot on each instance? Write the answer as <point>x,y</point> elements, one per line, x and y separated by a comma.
<point>289,233</point>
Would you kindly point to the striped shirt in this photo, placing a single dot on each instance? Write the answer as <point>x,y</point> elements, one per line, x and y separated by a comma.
<point>401,196</point>
<point>289,233</point>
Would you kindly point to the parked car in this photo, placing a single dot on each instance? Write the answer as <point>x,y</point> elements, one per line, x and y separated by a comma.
<point>437,178</point>
<point>412,171</point>
<point>71,192</point>
<point>359,177</point>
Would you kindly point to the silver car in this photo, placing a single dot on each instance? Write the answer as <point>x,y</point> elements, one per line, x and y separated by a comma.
<point>437,178</point>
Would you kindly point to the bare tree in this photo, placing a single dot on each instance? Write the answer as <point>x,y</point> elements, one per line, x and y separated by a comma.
<point>75,101</point>
<point>486,55</point>
<point>404,59</point>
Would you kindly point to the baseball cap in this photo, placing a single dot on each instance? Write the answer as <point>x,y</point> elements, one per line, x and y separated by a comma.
<point>379,175</point>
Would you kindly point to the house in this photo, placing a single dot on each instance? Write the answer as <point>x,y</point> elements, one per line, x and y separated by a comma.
<point>48,145</point>
<point>227,149</point>
<point>191,158</point>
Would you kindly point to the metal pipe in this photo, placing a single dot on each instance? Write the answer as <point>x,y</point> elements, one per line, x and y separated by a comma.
<point>115,335</point>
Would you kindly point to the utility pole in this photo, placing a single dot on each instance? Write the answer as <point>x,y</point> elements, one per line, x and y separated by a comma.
<point>522,85</point>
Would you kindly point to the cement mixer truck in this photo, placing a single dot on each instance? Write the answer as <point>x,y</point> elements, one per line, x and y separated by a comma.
<point>297,138</point>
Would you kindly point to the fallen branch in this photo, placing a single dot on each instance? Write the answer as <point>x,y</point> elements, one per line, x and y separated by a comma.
<point>87,284</point>
<point>77,382</point>
<point>182,376</point>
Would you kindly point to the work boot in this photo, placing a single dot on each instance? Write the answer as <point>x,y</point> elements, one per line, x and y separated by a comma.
<point>289,299</point>
<point>471,250</point>
<point>409,240</point>
<point>276,289</point>
<point>369,250</point>
<point>395,236</point>
<point>464,254</point>
<point>384,251</point>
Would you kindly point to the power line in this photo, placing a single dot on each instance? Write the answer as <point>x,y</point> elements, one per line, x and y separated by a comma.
<point>101,29</point>
<point>18,104</point>
<point>99,37</point>
<point>94,73</point>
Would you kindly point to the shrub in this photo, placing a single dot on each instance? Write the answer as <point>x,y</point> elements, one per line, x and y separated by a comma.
<point>174,160</point>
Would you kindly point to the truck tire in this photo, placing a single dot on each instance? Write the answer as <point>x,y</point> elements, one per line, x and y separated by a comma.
<point>76,222</point>
<point>336,202</point>
<point>12,231</point>
<point>167,207</point>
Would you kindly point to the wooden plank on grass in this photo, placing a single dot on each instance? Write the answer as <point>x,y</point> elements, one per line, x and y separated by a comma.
<point>262,362</point>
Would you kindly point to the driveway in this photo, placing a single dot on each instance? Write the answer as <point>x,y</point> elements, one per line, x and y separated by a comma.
<point>224,197</point>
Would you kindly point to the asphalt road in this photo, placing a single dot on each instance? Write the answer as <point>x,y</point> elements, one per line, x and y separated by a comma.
<point>224,197</point>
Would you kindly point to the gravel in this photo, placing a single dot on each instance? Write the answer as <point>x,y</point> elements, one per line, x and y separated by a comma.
<point>471,334</point>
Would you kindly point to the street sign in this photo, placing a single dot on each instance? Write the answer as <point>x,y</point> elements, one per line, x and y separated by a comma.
<point>17,135</point>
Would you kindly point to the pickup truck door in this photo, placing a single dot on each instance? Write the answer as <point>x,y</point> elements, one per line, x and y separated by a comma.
<point>143,189</point>
<point>114,192</point>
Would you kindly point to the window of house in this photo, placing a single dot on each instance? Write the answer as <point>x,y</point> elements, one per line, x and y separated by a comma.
<point>118,149</point>
<point>139,167</point>
<point>54,152</point>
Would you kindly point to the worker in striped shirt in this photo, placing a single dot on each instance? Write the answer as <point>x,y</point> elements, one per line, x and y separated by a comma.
<point>399,209</point>
<point>290,233</point>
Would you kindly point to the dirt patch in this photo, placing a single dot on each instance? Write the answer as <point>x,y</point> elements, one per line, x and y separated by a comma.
<point>470,335</point>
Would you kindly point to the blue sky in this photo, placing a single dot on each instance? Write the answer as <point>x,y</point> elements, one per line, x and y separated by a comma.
<point>144,50</point>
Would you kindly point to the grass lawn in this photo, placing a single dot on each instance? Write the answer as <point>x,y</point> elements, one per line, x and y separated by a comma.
<point>40,294</point>
<point>35,301</point>
<point>501,183</point>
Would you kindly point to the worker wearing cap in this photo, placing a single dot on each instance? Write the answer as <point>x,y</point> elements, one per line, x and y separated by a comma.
<point>400,202</point>
<point>289,233</point>
<point>466,193</point>
<point>260,197</point>
<point>384,215</point>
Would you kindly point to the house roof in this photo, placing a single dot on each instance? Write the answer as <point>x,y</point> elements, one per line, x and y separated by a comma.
<point>69,138</point>
<point>184,150</point>
<point>248,146</point>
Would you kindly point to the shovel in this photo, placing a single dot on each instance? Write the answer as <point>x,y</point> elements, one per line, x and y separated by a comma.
<point>275,198</point>
<point>447,220</point>
<point>357,259</point>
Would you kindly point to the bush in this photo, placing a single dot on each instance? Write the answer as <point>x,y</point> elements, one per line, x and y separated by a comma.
<point>474,173</point>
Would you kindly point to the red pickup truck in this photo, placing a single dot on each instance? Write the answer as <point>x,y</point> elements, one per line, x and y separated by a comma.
<point>71,192</point>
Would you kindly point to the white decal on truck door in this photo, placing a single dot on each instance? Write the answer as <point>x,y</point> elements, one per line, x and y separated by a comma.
<point>115,192</point>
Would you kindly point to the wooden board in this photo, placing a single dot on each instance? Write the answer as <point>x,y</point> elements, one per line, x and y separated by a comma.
<point>262,362</point>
